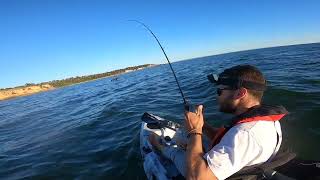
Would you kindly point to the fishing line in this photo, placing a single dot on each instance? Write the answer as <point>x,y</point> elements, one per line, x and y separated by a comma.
<point>185,102</point>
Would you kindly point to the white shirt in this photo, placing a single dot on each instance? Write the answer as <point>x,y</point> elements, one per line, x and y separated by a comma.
<point>243,145</point>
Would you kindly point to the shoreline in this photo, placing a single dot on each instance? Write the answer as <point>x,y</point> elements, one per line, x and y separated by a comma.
<point>24,91</point>
<point>27,90</point>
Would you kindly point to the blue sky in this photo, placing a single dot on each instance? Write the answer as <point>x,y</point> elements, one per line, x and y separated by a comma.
<point>45,40</point>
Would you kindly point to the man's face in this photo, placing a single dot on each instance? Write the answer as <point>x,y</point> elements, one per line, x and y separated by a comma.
<point>226,101</point>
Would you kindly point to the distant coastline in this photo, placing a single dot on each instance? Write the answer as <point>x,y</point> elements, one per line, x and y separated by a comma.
<point>30,88</point>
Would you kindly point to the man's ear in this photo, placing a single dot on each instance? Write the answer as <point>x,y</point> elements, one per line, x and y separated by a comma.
<point>241,93</point>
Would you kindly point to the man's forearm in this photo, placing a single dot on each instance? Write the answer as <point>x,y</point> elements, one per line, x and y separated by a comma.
<point>197,167</point>
<point>194,156</point>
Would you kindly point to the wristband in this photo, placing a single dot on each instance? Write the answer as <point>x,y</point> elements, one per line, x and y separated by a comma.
<point>194,133</point>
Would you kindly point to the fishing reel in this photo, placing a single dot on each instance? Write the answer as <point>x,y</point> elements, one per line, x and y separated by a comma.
<point>190,107</point>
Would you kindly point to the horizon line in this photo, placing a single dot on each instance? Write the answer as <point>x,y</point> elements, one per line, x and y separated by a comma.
<point>180,60</point>
<point>242,50</point>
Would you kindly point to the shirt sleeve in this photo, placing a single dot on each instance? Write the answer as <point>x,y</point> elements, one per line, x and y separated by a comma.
<point>235,150</point>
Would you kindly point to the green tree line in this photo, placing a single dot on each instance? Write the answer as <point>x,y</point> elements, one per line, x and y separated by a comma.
<point>79,79</point>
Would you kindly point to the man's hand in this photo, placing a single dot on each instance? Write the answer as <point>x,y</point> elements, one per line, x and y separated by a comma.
<point>197,167</point>
<point>194,120</point>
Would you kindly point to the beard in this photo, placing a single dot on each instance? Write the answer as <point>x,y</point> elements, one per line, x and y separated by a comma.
<point>227,107</point>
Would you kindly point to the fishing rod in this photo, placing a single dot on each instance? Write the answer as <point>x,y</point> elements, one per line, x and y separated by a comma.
<point>185,102</point>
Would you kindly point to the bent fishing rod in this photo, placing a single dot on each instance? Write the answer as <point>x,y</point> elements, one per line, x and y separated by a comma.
<point>185,102</point>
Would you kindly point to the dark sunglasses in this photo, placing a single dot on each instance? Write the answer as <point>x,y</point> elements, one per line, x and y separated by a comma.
<point>219,90</point>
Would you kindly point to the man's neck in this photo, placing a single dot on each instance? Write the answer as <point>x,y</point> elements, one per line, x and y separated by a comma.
<point>243,108</point>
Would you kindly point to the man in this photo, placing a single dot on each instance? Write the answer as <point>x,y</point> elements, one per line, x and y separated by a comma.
<point>254,136</point>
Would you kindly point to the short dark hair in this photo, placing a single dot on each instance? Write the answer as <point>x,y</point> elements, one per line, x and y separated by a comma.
<point>249,73</point>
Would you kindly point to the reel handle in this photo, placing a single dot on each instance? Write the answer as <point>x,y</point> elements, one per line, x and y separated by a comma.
<point>190,107</point>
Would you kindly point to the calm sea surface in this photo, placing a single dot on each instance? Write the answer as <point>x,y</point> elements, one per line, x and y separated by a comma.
<point>91,130</point>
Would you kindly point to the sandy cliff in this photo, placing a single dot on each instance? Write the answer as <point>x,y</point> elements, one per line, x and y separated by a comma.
<point>23,91</point>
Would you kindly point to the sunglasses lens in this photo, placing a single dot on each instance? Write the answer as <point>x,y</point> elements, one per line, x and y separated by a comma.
<point>219,91</point>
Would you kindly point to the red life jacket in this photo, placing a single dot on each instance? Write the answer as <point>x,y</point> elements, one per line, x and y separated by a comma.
<point>256,113</point>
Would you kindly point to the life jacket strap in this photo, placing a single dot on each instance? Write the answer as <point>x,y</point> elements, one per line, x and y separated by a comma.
<point>279,140</point>
<point>218,136</point>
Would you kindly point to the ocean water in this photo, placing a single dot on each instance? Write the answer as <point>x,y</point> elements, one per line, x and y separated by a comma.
<point>91,130</point>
